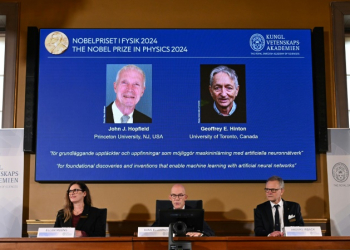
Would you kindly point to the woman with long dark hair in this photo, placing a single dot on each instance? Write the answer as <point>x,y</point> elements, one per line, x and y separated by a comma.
<point>78,212</point>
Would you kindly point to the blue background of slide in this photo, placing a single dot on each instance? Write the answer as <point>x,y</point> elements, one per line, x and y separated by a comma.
<point>279,106</point>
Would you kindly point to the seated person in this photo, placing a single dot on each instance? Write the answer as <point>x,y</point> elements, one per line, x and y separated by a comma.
<point>272,216</point>
<point>178,197</point>
<point>78,212</point>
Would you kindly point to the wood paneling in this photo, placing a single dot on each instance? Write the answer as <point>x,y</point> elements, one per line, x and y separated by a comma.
<point>204,243</point>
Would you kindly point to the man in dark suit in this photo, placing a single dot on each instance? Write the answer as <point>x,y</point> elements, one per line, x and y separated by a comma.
<point>178,197</point>
<point>271,217</point>
<point>223,88</point>
<point>129,88</point>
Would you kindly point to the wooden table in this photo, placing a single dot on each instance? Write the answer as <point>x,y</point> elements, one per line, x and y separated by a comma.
<point>108,243</point>
<point>149,243</point>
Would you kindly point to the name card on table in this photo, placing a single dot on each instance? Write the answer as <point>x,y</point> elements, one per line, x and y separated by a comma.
<point>62,232</point>
<point>153,232</point>
<point>302,231</point>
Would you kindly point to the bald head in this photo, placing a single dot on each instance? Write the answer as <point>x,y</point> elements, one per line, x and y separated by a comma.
<point>178,188</point>
<point>178,196</point>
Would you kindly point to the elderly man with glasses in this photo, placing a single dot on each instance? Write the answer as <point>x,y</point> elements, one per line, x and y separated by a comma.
<point>271,217</point>
<point>178,197</point>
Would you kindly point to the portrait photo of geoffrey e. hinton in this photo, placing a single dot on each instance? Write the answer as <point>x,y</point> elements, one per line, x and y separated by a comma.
<point>223,96</point>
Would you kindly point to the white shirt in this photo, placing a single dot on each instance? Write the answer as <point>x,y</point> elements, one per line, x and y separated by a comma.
<point>280,210</point>
<point>181,208</point>
<point>117,115</point>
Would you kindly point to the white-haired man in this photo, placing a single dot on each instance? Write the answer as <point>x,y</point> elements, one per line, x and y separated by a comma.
<point>129,88</point>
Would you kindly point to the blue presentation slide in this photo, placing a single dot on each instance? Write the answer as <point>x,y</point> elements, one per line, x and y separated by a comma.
<point>165,105</point>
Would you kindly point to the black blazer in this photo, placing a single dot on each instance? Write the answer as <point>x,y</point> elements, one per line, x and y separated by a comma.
<point>263,220</point>
<point>92,221</point>
<point>207,231</point>
<point>137,117</point>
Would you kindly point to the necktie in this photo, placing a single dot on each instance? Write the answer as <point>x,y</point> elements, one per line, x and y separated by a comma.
<point>277,219</point>
<point>125,118</point>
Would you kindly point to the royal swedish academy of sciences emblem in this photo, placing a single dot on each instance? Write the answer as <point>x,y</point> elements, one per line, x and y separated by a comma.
<point>340,172</point>
<point>257,42</point>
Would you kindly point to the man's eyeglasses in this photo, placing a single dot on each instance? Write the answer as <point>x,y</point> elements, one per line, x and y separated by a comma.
<point>174,196</point>
<point>272,190</point>
<point>73,191</point>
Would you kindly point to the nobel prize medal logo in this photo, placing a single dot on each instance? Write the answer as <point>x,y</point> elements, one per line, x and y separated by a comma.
<point>257,42</point>
<point>56,42</point>
<point>340,172</point>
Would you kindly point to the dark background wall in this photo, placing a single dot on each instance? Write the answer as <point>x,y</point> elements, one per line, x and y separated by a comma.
<point>233,201</point>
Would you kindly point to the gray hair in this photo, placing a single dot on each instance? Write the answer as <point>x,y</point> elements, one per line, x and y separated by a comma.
<point>132,67</point>
<point>230,72</point>
<point>276,178</point>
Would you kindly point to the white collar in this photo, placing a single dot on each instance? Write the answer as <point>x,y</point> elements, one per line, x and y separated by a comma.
<point>117,114</point>
<point>279,203</point>
<point>181,208</point>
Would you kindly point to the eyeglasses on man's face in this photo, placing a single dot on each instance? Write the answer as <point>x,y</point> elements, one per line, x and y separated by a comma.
<point>272,190</point>
<point>174,196</point>
<point>73,191</point>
